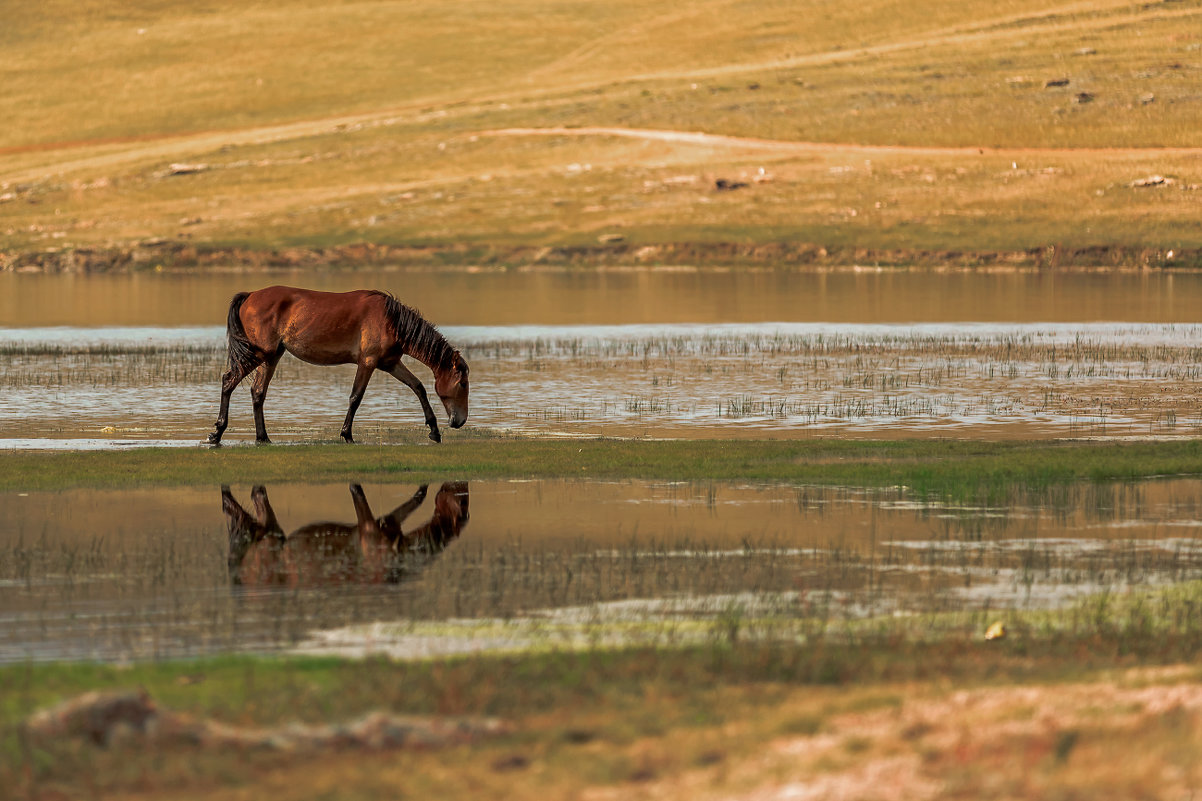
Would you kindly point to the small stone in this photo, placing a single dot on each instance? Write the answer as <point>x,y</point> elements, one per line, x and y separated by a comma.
<point>1152,180</point>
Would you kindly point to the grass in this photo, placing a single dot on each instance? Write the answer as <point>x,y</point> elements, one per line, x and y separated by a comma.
<point>935,126</point>
<point>945,467</point>
<point>632,720</point>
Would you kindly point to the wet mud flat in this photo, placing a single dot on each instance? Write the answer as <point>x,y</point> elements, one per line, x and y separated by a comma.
<point>422,570</point>
<point>118,387</point>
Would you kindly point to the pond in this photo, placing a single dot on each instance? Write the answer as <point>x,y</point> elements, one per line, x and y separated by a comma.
<point>417,570</point>
<point>421,569</point>
<point>117,361</point>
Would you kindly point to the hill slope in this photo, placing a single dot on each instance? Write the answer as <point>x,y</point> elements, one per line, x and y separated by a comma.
<point>514,127</point>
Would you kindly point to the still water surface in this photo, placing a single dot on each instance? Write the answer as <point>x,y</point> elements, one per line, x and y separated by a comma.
<point>503,298</point>
<point>416,570</point>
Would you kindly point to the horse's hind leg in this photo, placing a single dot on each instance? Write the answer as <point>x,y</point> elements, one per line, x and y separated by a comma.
<point>258,393</point>
<point>362,376</point>
<point>229,382</point>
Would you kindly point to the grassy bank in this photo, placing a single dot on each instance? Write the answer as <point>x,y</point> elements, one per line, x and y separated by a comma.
<point>947,467</point>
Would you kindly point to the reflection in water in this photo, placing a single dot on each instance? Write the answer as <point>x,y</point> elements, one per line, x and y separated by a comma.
<point>372,550</point>
<point>145,573</point>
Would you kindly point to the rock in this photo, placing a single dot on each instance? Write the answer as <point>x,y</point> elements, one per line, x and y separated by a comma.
<point>723,185</point>
<point>95,716</point>
<point>1082,98</point>
<point>185,169</point>
<point>1055,82</point>
<point>611,239</point>
<point>1152,180</point>
<point>108,718</point>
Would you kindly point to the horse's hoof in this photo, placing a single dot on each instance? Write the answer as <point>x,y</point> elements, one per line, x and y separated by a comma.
<point>434,435</point>
<point>348,439</point>
<point>214,439</point>
<point>262,441</point>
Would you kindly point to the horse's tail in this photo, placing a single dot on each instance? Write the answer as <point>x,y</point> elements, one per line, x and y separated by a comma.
<point>241,352</point>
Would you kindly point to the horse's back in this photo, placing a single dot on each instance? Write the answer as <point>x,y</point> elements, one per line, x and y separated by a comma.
<point>278,301</point>
<point>320,327</point>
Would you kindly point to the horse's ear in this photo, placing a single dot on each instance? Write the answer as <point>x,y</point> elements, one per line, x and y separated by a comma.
<point>460,363</point>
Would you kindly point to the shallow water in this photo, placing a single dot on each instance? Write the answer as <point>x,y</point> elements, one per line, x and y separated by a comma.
<point>141,574</point>
<point>118,387</point>
<point>134,360</point>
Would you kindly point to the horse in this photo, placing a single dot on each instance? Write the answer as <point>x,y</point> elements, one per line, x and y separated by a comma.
<point>372,550</point>
<point>368,328</point>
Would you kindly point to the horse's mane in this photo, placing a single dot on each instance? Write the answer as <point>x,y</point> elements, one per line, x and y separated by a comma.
<point>417,335</point>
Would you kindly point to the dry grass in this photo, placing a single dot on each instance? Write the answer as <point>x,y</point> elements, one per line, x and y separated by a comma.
<point>344,122</point>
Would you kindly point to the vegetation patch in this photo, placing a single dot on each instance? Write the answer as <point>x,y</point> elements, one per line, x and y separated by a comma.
<point>943,467</point>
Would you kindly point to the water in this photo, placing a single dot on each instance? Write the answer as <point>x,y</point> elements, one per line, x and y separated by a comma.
<point>447,568</point>
<point>133,360</point>
<point>122,386</point>
<point>130,360</point>
<point>498,297</point>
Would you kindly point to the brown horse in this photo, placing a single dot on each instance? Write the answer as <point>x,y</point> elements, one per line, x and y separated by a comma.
<point>367,328</point>
<point>372,550</point>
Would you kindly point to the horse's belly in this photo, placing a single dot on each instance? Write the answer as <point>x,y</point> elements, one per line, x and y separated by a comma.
<point>338,347</point>
<point>323,357</point>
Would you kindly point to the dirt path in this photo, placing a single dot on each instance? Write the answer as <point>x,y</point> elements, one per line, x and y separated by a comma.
<point>791,148</point>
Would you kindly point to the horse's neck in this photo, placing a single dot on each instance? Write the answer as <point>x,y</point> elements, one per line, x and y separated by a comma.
<point>424,343</point>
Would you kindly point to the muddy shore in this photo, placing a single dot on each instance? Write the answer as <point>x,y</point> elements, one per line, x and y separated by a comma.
<point>167,254</point>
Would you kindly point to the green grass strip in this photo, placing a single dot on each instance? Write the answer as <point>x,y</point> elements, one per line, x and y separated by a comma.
<point>945,467</point>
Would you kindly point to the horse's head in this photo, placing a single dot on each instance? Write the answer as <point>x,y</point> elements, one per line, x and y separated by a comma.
<point>451,503</point>
<point>451,385</point>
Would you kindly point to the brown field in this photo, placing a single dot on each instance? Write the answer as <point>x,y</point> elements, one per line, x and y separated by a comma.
<point>511,133</point>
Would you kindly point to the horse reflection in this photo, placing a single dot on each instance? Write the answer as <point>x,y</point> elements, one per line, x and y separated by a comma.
<point>371,550</point>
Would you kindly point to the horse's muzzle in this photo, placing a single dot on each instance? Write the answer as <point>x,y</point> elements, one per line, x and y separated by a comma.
<point>457,420</point>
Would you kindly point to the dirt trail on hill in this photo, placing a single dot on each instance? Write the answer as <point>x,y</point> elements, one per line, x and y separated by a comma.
<point>789,148</point>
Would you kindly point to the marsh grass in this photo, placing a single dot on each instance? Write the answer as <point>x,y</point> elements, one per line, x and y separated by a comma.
<point>1029,383</point>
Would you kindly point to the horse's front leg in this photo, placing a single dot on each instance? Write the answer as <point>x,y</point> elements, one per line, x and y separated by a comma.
<point>401,373</point>
<point>362,376</point>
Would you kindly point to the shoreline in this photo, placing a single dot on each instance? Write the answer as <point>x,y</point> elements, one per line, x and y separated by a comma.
<point>160,255</point>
